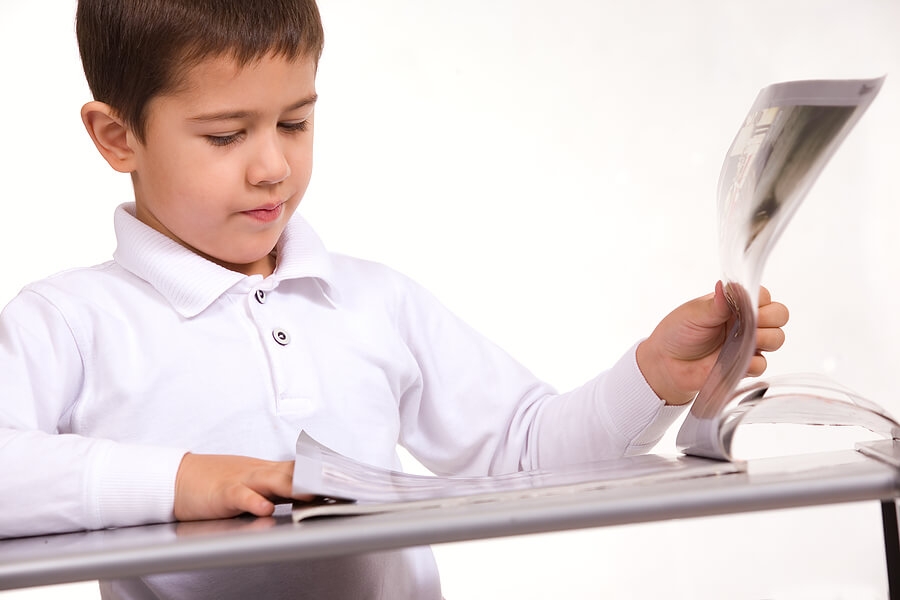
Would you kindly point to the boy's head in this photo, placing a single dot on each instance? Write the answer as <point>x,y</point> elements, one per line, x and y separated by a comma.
<point>134,50</point>
<point>208,104</point>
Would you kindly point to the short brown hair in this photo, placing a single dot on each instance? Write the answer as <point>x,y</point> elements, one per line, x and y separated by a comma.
<point>134,50</point>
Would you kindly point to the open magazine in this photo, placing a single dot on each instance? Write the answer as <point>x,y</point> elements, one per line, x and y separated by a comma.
<point>343,486</point>
<point>789,134</point>
<point>787,138</point>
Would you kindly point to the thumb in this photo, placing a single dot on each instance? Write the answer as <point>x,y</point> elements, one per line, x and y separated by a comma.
<point>715,310</point>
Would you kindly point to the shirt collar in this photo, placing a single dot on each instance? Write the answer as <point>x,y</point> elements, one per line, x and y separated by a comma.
<point>192,283</point>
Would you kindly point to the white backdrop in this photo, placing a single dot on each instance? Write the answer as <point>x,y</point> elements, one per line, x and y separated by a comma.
<point>549,171</point>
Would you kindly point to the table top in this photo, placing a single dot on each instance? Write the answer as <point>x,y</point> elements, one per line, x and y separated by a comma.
<point>771,483</point>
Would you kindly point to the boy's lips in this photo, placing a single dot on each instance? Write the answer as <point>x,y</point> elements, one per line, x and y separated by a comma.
<point>266,213</point>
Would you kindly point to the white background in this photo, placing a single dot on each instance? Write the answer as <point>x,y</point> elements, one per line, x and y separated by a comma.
<point>549,171</point>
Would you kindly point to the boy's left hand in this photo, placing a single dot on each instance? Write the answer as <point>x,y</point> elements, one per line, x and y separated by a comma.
<point>679,354</point>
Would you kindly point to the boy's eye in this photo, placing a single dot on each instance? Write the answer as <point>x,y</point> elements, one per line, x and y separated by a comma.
<point>292,126</point>
<point>223,140</point>
<point>230,138</point>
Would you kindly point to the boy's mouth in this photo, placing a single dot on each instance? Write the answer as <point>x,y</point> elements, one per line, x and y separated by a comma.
<point>267,213</point>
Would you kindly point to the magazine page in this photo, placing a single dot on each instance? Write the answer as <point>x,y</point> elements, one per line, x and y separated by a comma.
<point>786,139</point>
<point>342,485</point>
<point>803,399</point>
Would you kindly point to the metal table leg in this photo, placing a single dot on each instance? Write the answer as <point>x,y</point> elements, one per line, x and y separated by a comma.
<point>891,547</point>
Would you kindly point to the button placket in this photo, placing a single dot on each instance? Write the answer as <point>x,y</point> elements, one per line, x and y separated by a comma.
<point>278,334</point>
<point>295,383</point>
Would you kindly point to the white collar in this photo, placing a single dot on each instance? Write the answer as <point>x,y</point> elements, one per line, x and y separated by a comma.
<point>192,283</point>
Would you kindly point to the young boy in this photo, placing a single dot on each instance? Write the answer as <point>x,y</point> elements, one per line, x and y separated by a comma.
<point>172,382</point>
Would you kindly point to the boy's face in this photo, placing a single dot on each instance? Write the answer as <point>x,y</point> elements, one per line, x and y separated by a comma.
<point>226,160</point>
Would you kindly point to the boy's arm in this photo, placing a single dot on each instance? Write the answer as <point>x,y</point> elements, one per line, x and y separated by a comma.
<point>636,400</point>
<point>56,482</point>
<point>476,410</point>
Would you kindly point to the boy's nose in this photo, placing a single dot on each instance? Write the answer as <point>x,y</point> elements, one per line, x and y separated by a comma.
<point>269,164</point>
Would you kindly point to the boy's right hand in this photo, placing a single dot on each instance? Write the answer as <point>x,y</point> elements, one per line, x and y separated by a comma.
<point>219,486</point>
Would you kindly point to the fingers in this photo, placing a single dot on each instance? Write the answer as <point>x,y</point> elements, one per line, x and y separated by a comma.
<point>774,314</point>
<point>220,486</point>
<point>778,310</point>
<point>240,499</point>
<point>769,335</point>
<point>769,340</point>
<point>258,490</point>
<point>771,318</point>
<point>757,366</point>
<point>273,481</point>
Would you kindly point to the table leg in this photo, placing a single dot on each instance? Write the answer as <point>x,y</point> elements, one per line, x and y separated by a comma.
<point>891,547</point>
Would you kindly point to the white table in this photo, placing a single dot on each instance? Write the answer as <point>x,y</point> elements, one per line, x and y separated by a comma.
<point>772,483</point>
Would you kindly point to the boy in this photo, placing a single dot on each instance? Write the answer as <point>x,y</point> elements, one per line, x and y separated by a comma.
<point>171,382</point>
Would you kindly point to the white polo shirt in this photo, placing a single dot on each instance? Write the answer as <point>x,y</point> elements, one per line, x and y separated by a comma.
<point>109,374</point>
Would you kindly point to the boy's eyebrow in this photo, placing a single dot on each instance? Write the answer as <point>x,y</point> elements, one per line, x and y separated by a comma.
<point>243,114</point>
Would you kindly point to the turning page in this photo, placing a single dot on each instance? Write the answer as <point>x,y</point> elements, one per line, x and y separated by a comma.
<point>787,138</point>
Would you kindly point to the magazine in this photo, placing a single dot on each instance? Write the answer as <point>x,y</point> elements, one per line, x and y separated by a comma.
<point>789,134</point>
<point>343,486</point>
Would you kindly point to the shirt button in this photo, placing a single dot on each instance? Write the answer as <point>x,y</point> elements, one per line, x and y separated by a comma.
<point>281,336</point>
<point>260,296</point>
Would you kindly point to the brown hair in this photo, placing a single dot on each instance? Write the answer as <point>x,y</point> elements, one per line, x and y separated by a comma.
<point>133,50</point>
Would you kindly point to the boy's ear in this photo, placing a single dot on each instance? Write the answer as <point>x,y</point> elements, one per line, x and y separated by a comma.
<point>110,135</point>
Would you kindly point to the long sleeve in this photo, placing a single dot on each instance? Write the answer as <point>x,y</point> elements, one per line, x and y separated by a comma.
<point>615,414</point>
<point>54,480</point>
<point>475,410</point>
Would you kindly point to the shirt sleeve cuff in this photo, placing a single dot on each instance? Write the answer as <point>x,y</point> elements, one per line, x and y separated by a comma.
<point>133,484</point>
<point>637,413</point>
